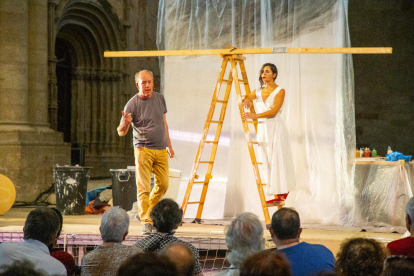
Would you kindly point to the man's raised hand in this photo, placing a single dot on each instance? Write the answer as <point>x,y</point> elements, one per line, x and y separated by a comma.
<point>126,117</point>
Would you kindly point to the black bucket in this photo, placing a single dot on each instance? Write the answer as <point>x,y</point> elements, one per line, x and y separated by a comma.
<point>124,188</point>
<point>70,187</point>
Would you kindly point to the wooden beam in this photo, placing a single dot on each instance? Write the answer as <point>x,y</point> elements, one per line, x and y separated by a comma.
<point>253,51</point>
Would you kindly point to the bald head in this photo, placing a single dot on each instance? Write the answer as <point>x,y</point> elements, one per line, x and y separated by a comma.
<point>182,257</point>
<point>144,81</point>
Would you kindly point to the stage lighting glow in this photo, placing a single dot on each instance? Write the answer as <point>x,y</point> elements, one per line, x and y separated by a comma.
<point>195,137</point>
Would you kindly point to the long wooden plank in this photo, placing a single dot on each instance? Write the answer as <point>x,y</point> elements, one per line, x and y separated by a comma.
<point>235,51</point>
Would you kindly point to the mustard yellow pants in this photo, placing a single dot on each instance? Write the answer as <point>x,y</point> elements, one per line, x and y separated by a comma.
<point>147,160</point>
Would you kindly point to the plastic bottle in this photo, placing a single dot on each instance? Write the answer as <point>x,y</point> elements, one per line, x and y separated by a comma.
<point>367,152</point>
<point>358,153</point>
<point>389,151</point>
<point>361,152</point>
<point>374,153</point>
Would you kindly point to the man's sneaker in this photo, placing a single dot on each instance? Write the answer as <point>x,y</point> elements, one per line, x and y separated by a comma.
<point>146,229</point>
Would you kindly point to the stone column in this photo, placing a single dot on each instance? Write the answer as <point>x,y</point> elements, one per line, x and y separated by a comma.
<point>13,65</point>
<point>37,59</point>
<point>52,80</point>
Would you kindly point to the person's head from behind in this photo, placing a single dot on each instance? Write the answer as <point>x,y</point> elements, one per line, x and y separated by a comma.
<point>182,257</point>
<point>360,256</point>
<point>285,226</point>
<point>166,215</point>
<point>147,264</point>
<point>114,225</point>
<point>409,215</point>
<point>398,266</point>
<point>265,263</point>
<point>20,268</point>
<point>244,237</point>
<point>268,72</point>
<point>42,224</point>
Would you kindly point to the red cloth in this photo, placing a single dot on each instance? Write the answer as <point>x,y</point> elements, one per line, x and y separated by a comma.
<point>402,247</point>
<point>66,259</point>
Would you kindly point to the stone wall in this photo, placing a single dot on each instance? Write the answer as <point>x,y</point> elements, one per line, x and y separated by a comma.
<point>384,84</point>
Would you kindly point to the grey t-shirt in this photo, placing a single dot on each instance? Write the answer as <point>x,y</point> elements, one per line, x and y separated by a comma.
<point>148,121</point>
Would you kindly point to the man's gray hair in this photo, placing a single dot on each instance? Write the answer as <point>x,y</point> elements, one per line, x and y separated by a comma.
<point>114,225</point>
<point>137,75</point>
<point>409,210</point>
<point>244,237</point>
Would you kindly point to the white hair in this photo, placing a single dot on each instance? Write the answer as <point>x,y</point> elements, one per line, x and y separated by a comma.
<point>409,210</point>
<point>244,237</point>
<point>137,75</point>
<point>114,225</point>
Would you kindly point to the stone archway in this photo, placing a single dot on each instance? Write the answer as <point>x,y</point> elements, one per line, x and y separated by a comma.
<point>85,30</point>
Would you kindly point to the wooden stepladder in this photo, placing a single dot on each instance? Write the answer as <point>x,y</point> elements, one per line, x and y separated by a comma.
<point>235,62</point>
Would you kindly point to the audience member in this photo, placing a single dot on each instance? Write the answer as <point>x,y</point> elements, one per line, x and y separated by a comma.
<point>20,268</point>
<point>40,231</point>
<point>360,257</point>
<point>107,257</point>
<point>166,216</point>
<point>59,254</point>
<point>147,264</point>
<point>181,256</point>
<point>398,266</point>
<point>244,237</point>
<point>405,246</point>
<point>265,263</point>
<point>304,258</point>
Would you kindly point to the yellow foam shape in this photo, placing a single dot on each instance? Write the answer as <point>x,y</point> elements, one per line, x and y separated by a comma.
<point>7,192</point>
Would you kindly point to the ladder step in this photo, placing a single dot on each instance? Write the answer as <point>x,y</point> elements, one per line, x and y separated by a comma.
<point>256,143</point>
<point>228,81</point>
<point>259,163</point>
<point>206,162</point>
<point>219,101</point>
<point>242,81</point>
<point>195,202</point>
<point>199,182</point>
<point>211,142</point>
<point>217,122</point>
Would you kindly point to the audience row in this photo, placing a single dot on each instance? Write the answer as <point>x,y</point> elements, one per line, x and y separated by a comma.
<point>161,253</point>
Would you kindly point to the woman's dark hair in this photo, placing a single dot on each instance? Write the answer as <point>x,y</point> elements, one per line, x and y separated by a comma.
<point>265,263</point>
<point>147,264</point>
<point>166,215</point>
<point>399,266</point>
<point>272,67</point>
<point>360,256</point>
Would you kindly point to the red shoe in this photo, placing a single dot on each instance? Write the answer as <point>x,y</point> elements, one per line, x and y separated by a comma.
<point>280,197</point>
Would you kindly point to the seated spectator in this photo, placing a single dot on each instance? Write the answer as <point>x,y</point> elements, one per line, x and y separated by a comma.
<point>405,246</point>
<point>147,264</point>
<point>244,237</point>
<point>20,268</point>
<point>304,258</point>
<point>265,263</point>
<point>107,257</point>
<point>181,256</point>
<point>398,266</point>
<point>360,257</point>
<point>166,216</point>
<point>40,230</point>
<point>64,257</point>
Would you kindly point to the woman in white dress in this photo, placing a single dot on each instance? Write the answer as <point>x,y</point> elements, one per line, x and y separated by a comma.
<point>272,136</point>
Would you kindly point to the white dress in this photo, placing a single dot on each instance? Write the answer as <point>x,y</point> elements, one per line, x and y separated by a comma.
<point>274,148</point>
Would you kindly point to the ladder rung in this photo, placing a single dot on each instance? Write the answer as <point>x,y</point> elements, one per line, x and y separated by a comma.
<point>242,81</point>
<point>195,202</point>
<point>259,163</point>
<point>199,182</point>
<point>206,162</point>
<point>220,101</point>
<point>226,81</point>
<point>211,142</point>
<point>250,122</point>
<point>256,143</point>
<point>217,122</point>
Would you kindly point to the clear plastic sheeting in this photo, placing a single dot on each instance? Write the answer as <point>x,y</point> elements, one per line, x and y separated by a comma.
<point>318,108</point>
<point>382,191</point>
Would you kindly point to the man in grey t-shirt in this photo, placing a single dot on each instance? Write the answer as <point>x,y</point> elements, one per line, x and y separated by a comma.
<point>146,111</point>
